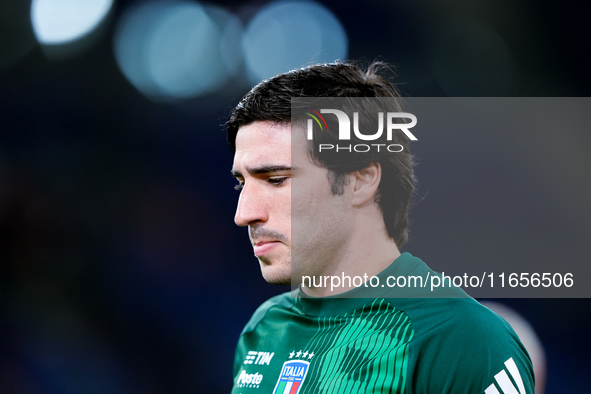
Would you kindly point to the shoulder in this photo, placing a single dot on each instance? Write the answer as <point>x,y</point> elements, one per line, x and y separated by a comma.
<point>460,346</point>
<point>466,323</point>
<point>284,300</point>
<point>455,319</point>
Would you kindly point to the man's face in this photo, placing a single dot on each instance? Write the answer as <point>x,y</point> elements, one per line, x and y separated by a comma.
<point>267,165</point>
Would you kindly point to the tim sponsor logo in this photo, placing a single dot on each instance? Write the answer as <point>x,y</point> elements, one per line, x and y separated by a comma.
<point>258,358</point>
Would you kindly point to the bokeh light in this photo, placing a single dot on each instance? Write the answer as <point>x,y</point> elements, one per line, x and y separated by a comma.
<point>172,50</point>
<point>289,34</point>
<point>62,21</point>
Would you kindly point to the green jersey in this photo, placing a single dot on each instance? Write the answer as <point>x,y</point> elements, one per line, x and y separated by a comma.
<point>380,344</point>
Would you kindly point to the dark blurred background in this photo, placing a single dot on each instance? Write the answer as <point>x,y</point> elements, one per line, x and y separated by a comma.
<point>121,270</point>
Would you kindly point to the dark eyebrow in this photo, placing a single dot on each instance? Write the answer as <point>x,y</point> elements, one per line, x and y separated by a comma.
<point>264,169</point>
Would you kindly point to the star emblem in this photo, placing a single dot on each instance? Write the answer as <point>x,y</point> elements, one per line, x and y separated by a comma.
<point>310,356</point>
<point>305,354</point>
<point>298,354</point>
<point>291,354</point>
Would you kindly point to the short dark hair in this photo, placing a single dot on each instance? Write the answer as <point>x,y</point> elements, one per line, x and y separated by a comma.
<point>270,100</point>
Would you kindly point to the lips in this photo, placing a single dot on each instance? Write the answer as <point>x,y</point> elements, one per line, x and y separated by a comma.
<point>262,247</point>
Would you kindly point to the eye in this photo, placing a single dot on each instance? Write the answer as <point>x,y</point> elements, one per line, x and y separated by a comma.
<point>277,181</point>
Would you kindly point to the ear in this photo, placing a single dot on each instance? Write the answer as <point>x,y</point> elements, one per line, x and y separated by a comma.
<point>367,181</point>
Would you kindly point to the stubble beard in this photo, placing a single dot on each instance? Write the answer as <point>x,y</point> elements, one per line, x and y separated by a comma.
<point>276,273</point>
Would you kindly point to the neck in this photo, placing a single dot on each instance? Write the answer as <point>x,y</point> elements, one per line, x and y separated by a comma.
<point>368,252</point>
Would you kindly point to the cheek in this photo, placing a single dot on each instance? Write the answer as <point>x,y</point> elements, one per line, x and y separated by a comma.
<point>283,207</point>
<point>309,193</point>
<point>311,204</point>
<point>305,206</point>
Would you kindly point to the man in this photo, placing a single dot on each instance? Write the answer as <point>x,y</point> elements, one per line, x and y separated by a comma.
<point>314,212</point>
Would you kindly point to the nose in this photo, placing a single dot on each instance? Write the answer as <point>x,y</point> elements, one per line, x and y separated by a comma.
<point>251,207</point>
